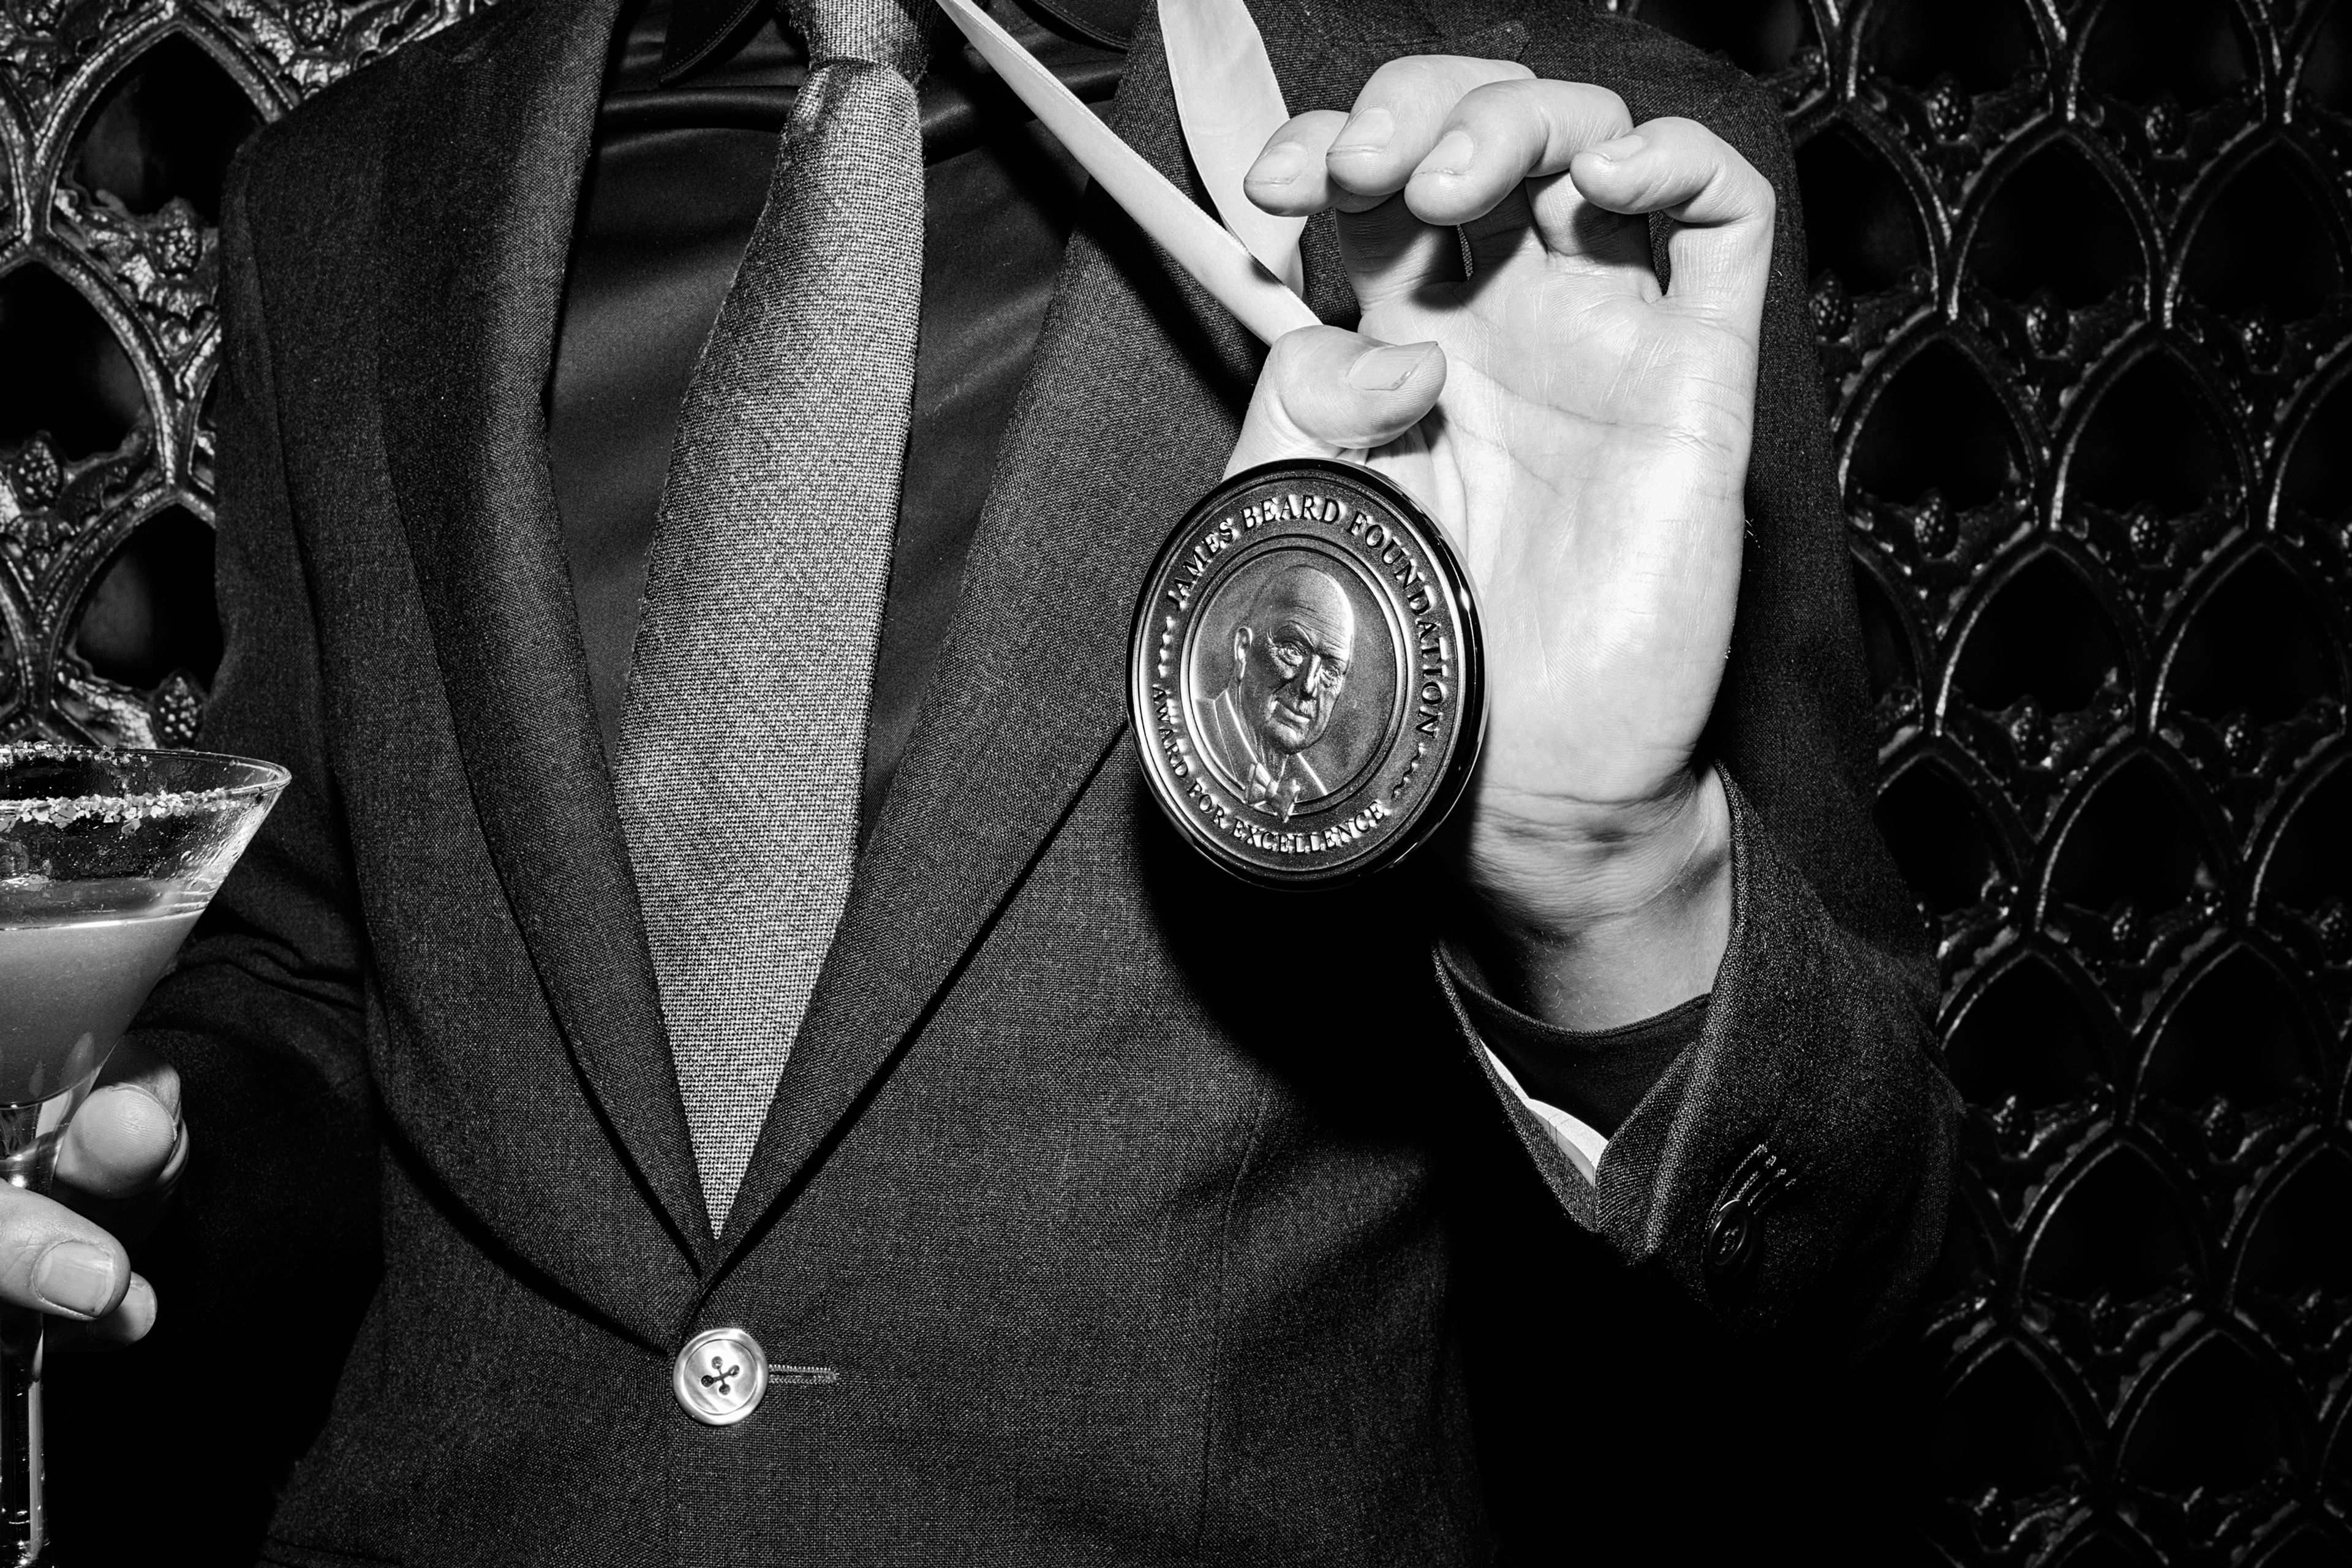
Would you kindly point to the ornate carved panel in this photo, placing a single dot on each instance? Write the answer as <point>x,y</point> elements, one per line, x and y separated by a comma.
<point>2080,281</point>
<point>2079,278</point>
<point>117,120</point>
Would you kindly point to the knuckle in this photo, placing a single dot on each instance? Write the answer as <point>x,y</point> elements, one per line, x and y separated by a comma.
<point>1316,128</point>
<point>1288,360</point>
<point>1448,77</point>
<point>1506,112</point>
<point>1685,139</point>
<point>1589,102</point>
<point>1398,77</point>
<point>1475,68</point>
<point>30,1225</point>
<point>1503,96</point>
<point>1486,108</point>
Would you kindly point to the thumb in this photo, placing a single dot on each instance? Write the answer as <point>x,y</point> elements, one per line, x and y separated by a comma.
<point>1325,391</point>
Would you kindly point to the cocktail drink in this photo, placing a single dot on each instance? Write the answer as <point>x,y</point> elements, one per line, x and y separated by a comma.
<point>107,857</point>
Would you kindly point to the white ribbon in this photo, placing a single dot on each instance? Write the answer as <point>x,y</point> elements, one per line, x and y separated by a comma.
<point>1231,105</point>
<point>1249,285</point>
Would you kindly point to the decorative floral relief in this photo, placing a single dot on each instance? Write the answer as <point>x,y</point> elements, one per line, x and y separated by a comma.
<point>177,708</point>
<point>108,714</point>
<point>2158,130</point>
<point>47,505</point>
<point>305,44</point>
<point>166,264</point>
<point>42,41</point>
<point>161,270</point>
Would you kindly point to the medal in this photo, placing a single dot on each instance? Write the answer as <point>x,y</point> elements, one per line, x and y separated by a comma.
<point>1306,676</point>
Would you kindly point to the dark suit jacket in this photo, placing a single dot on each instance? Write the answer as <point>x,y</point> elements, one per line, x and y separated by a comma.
<point>1141,1216</point>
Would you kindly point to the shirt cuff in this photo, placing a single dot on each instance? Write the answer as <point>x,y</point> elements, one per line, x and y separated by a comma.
<point>1581,1085</point>
<point>1581,1145</point>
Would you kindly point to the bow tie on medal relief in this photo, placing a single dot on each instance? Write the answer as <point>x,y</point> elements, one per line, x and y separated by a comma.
<point>1308,621</point>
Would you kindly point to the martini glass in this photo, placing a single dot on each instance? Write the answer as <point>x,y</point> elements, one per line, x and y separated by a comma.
<point>107,857</point>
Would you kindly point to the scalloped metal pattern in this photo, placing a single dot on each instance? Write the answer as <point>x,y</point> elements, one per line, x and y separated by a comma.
<point>145,271</point>
<point>2082,301</point>
<point>2081,289</point>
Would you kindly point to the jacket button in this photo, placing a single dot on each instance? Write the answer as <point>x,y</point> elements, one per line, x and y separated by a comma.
<point>1730,1243</point>
<point>720,1376</point>
<point>1735,1230</point>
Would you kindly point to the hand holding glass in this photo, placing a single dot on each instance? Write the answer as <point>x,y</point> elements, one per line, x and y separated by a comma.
<point>106,859</point>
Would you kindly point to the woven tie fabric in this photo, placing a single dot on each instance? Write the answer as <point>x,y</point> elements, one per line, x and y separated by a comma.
<point>743,732</point>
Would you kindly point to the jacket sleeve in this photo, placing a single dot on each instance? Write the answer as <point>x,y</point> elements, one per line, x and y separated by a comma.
<point>270,1248</point>
<point>1788,1173</point>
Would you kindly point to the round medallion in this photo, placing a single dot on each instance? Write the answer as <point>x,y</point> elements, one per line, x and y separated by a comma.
<point>1306,676</point>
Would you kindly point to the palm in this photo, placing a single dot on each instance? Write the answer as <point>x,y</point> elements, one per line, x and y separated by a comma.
<point>1583,437</point>
<point>1587,455</point>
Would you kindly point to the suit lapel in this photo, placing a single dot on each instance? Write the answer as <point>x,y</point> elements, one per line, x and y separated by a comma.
<point>479,205</point>
<point>1130,408</point>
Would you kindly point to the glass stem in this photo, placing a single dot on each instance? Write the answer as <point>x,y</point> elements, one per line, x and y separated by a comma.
<point>28,1157</point>
<point>24,1528</point>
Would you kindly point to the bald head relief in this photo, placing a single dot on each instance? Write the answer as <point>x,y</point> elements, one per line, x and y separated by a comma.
<point>1291,653</point>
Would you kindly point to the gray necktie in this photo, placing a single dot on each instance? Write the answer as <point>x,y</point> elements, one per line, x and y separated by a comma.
<point>743,734</point>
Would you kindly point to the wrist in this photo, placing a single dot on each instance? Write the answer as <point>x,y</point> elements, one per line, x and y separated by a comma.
<point>1589,920</point>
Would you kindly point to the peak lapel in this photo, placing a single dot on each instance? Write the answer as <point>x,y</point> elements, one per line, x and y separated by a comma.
<point>479,205</point>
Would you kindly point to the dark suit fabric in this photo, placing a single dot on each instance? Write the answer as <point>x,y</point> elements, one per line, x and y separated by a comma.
<point>1141,1218</point>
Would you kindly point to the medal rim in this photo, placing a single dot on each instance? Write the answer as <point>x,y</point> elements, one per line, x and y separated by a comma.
<point>1438,806</point>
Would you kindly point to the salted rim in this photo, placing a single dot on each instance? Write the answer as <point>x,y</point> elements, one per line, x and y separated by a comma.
<point>61,811</point>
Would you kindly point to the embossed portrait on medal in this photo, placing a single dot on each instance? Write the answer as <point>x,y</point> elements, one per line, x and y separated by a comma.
<point>1293,675</point>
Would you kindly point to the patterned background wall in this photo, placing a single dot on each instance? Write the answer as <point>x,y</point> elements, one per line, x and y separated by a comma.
<point>2080,280</point>
<point>2079,276</point>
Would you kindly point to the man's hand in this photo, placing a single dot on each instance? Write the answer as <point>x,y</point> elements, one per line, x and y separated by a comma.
<point>1582,435</point>
<point>120,1156</point>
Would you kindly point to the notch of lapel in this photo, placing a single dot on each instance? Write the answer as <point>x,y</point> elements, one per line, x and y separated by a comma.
<point>480,203</point>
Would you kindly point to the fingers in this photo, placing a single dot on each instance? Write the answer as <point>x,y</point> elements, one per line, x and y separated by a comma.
<point>1479,145</point>
<point>126,1140</point>
<point>124,1150</point>
<point>126,1325</point>
<point>1390,254</point>
<point>1388,250</point>
<point>53,1261</point>
<point>1721,249</point>
<point>1324,160</point>
<point>1293,175</point>
<point>1401,115</point>
<point>1325,392</point>
<point>1504,133</point>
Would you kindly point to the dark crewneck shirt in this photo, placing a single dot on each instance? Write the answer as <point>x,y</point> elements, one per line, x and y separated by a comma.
<point>676,180</point>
